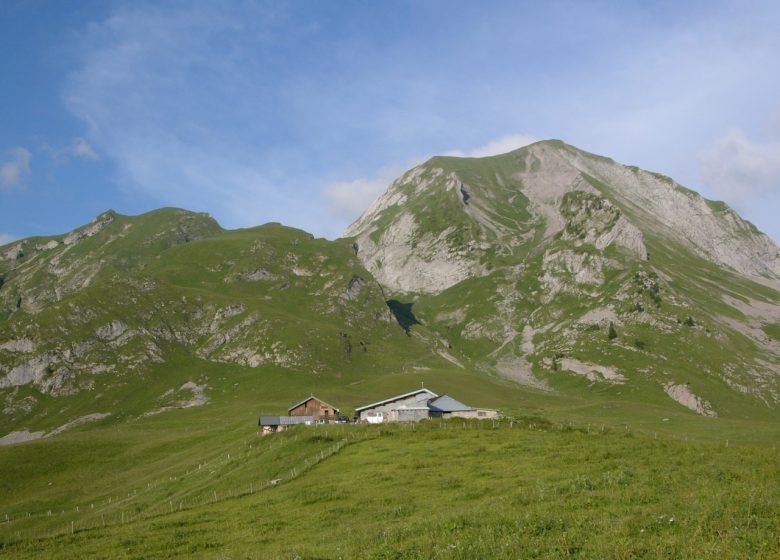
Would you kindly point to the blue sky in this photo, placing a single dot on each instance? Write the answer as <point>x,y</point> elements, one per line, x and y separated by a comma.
<point>301,112</point>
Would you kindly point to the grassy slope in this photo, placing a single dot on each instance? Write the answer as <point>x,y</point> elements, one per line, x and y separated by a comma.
<point>465,490</point>
<point>144,464</point>
<point>654,348</point>
<point>301,311</point>
<point>148,465</point>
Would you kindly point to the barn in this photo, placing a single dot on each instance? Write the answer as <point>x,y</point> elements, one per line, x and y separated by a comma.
<point>312,406</point>
<point>409,407</point>
<point>419,405</point>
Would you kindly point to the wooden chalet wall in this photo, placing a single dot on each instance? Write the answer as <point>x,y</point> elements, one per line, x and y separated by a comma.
<point>314,407</point>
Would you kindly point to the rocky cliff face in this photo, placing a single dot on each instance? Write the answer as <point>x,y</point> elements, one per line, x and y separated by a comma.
<point>124,302</point>
<point>549,256</point>
<point>435,225</point>
<point>560,270</point>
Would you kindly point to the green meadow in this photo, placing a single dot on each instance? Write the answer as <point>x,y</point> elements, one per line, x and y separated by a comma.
<point>524,488</point>
<point>557,477</point>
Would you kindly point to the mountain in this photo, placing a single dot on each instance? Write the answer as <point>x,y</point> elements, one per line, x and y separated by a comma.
<point>627,329</point>
<point>127,315</point>
<point>545,275</point>
<point>567,271</point>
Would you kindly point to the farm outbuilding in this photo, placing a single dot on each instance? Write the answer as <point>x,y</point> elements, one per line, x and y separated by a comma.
<point>273,424</point>
<point>419,405</point>
<point>409,407</point>
<point>447,407</point>
<point>312,406</point>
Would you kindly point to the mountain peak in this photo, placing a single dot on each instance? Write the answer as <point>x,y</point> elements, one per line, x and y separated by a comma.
<point>425,233</point>
<point>530,260</point>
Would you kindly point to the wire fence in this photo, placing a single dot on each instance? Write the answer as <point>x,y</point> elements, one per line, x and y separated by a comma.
<point>142,504</point>
<point>117,510</point>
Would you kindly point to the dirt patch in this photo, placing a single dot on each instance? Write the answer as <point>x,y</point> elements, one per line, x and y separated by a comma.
<point>20,437</point>
<point>683,395</point>
<point>519,370</point>
<point>528,340</point>
<point>198,398</point>
<point>94,417</point>
<point>599,316</point>
<point>761,310</point>
<point>594,372</point>
<point>24,345</point>
<point>449,357</point>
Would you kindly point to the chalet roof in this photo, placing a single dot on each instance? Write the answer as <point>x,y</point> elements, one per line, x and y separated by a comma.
<point>284,420</point>
<point>445,403</point>
<point>296,405</point>
<point>398,397</point>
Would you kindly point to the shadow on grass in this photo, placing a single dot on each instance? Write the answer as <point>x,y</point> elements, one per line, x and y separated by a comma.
<point>403,314</point>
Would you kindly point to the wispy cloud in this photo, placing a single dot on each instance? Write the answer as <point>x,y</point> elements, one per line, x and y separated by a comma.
<point>15,168</point>
<point>348,199</point>
<point>740,170</point>
<point>77,148</point>
<point>80,148</point>
<point>178,100</point>
<point>232,108</point>
<point>6,238</point>
<point>498,146</point>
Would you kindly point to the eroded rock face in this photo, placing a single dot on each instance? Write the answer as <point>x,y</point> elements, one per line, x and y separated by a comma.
<point>412,247</point>
<point>23,345</point>
<point>683,395</point>
<point>712,229</point>
<point>354,287</point>
<point>593,372</point>
<point>559,239</point>
<point>406,260</point>
<point>594,220</point>
<point>111,331</point>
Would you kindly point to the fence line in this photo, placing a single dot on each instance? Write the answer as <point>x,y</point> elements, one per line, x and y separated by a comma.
<point>116,510</point>
<point>102,518</point>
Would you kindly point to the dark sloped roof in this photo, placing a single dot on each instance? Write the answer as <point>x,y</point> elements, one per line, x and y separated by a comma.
<point>284,420</point>
<point>296,405</point>
<point>397,397</point>
<point>445,403</point>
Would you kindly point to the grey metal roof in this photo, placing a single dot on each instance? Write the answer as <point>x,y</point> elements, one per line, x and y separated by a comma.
<point>284,420</point>
<point>308,399</point>
<point>391,399</point>
<point>445,403</point>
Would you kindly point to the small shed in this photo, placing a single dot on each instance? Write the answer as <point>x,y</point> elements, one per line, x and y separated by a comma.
<point>273,424</point>
<point>447,407</point>
<point>312,406</point>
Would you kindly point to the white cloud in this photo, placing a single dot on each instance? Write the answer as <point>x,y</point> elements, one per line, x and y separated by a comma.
<point>498,146</point>
<point>15,167</point>
<point>78,148</point>
<point>82,149</point>
<point>740,170</point>
<point>179,100</point>
<point>6,238</point>
<point>348,199</point>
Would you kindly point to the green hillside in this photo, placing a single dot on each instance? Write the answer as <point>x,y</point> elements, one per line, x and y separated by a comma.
<point>625,327</point>
<point>566,271</point>
<point>523,488</point>
<point>162,309</point>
